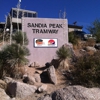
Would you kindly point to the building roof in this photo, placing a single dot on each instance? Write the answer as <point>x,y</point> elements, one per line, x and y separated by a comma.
<point>24,10</point>
<point>75,26</point>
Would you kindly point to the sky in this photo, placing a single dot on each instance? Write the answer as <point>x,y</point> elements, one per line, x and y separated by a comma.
<point>82,11</point>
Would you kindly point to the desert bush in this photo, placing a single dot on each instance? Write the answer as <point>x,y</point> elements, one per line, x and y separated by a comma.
<point>87,70</point>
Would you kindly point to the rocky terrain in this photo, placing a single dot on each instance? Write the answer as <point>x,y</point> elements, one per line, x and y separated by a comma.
<point>46,83</point>
<point>35,83</point>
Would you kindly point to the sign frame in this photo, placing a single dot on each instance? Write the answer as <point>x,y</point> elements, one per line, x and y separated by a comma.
<point>45,43</point>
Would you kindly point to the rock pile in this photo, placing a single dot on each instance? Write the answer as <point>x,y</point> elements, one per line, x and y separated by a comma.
<point>73,93</point>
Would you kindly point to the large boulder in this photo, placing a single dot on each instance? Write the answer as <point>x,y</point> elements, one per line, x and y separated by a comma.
<point>20,90</point>
<point>52,74</point>
<point>74,93</point>
<point>3,95</point>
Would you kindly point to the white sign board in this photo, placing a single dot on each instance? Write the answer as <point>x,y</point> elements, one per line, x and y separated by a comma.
<point>52,32</point>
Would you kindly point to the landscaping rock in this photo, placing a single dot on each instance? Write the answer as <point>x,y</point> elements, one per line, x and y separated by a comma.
<point>74,93</point>
<point>52,74</point>
<point>29,79</point>
<point>37,77</point>
<point>3,95</point>
<point>32,79</point>
<point>20,90</point>
<point>42,88</point>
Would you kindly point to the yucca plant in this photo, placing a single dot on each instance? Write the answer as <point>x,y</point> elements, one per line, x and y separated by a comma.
<point>11,56</point>
<point>63,53</point>
<point>14,55</point>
